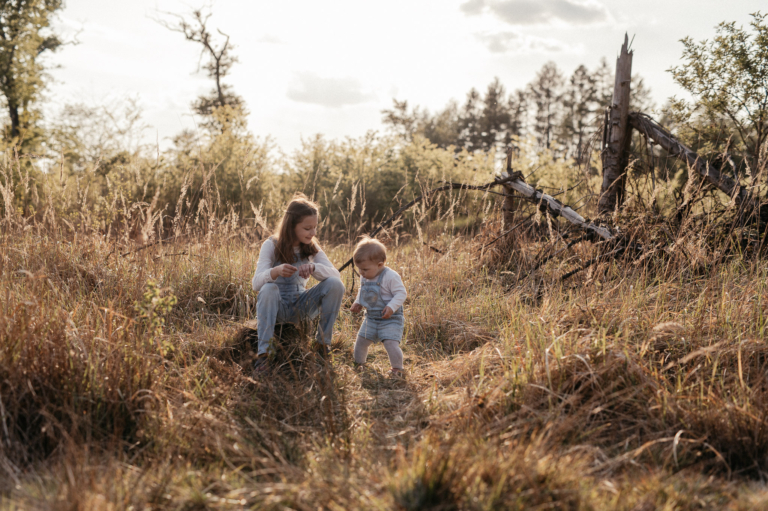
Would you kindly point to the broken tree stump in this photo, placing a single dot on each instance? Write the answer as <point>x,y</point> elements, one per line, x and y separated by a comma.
<point>510,205</point>
<point>617,135</point>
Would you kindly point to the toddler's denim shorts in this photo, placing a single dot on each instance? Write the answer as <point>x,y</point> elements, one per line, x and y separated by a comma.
<point>378,330</point>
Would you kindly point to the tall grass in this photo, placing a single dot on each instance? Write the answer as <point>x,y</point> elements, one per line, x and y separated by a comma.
<point>125,381</point>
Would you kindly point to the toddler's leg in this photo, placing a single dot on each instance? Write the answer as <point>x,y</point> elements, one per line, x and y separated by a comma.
<point>395,354</point>
<point>361,349</point>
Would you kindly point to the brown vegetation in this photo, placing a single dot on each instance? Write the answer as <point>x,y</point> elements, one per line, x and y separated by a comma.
<point>636,384</point>
<point>616,364</point>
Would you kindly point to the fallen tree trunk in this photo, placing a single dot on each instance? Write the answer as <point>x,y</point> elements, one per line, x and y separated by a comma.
<point>544,202</point>
<point>674,147</point>
<point>554,206</point>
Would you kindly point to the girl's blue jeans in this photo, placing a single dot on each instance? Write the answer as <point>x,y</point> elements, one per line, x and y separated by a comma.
<point>293,304</point>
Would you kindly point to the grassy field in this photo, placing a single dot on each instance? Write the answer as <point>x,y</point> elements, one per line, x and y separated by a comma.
<point>125,384</point>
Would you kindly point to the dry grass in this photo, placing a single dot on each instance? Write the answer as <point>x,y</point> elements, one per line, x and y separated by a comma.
<point>621,389</point>
<point>639,383</point>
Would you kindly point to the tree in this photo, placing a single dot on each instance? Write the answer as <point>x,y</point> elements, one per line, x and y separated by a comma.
<point>25,36</point>
<point>442,129</point>
<point>227,160</point>
<point>218,66</point>
<point>728,79</point>
<point>517,106</point>
<point>581,104</point>
<point>495,119</point>
<point>546,93</point>
<point>400,120</point>
<point>469,122</point>
<point>604,82</point>
<point>481,124</point>
<point>566,113</point>
<point>96,135</point>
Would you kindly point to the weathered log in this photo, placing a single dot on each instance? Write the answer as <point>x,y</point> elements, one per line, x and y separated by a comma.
<point>616,135</point>
<point>554,206</point>
<point>674,147</point>
<point>512,182</point>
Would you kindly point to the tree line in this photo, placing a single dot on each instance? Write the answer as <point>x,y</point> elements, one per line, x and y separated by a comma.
<point>561,113</point>
<point>93,159</point>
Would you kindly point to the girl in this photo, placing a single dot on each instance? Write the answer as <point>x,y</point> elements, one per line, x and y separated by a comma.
<point>285,264</point>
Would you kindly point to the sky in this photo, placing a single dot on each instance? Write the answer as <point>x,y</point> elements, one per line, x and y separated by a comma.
<point>308,67</point>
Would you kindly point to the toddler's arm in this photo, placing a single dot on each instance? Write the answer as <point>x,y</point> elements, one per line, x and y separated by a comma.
<point>357,298</point>
<point>395,285</point>
<point>356,306</point>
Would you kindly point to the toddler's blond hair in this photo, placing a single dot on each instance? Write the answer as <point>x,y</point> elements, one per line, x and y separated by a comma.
<point>369,249</point>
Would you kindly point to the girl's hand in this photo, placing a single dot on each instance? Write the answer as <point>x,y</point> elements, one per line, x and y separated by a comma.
<point>284,270</point>
<point>306,270</point>
<point>356,307</point>
<point>387,313</point>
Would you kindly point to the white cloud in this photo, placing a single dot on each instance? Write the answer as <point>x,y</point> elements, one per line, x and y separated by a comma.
<point>472,7</point>
<point>516,42</point>
<point>540,12</point>
<point>330,92</point>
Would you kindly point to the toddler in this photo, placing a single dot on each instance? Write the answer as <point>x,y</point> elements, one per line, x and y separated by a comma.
<point>382,294</point>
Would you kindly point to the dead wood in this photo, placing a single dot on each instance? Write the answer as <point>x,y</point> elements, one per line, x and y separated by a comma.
<point>653,130</point>
<point>510,181</point>
<point>148,245</point>
<point>554,206</point>
<point>511,205</point>
<point>616,135</point>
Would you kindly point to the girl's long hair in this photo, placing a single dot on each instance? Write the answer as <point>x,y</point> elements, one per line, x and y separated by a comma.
<point>298,209</point>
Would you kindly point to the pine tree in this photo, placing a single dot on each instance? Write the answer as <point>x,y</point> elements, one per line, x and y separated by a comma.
<point>517,106</point>
<point>442,129</point>
<point>469,122</point>
<point>494,121</point>
<point>581,106</point>
<point>546,93</point>
<point>400,120</point>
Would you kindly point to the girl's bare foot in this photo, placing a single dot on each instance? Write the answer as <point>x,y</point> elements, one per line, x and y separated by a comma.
<point>396,373</point>
<point>359,368</point>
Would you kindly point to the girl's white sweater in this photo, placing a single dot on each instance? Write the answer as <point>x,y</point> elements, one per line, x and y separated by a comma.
<point>323,267</point>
